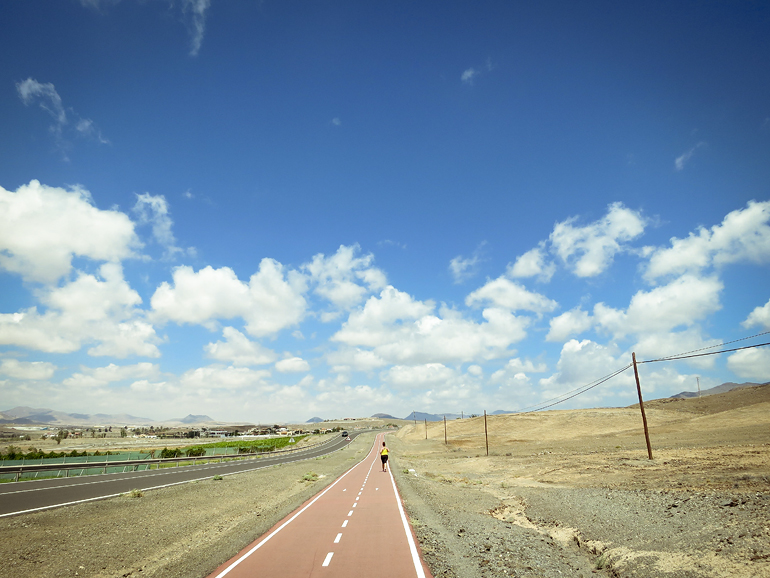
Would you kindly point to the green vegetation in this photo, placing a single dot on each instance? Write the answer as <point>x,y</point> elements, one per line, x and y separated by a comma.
<point>310,477</point>
<point>14,453</point>
<point>244,446</point>
<point>135,493</point>
<point>217,478</point>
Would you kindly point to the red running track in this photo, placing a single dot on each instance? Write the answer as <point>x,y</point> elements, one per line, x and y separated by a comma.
<point>356,527</point>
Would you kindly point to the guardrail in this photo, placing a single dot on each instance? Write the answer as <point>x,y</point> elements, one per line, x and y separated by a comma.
<point>19,470</point>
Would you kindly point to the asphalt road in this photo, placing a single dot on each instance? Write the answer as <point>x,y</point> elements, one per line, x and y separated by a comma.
<point>31,496</point>
<point>355,528</point>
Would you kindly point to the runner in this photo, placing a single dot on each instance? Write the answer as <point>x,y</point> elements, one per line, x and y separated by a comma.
<point>384,457</point>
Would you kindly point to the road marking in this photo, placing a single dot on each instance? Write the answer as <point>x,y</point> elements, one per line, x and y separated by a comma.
<point>407,530</point>
<point>354,505</point>
<point>357,498</point>
<point>286,523</point>
<point>338,538</point>
<point>345,524</point>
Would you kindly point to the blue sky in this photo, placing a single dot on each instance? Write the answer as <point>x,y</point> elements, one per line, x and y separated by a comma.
<point>267,211</point>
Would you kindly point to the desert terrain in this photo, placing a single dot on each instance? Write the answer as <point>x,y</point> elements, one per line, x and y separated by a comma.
<point>562,493</point>
<point>562,488</point>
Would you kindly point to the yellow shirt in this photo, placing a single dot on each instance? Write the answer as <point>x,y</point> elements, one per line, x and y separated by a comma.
<point>384,452</point>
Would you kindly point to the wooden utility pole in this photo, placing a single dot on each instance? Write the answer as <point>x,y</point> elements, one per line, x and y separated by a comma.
<point>426,428</point>
<point>486,434</point>
<point>445,430</point>
<point>641,406</point>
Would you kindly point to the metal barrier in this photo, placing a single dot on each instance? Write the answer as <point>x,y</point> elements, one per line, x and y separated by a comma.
<point>20,469</point>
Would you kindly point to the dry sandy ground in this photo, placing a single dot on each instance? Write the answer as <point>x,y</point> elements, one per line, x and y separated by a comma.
<point>562,494</point>
<point>566,487</point>
<point>181,531</point>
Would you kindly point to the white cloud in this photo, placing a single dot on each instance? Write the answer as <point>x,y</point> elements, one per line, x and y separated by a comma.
<point>681,303</point>
<point>48,99</point>
<point>510,295</point>
<point>344,279</point>
<point>419,376</point>
<point>751,364</point>
<point>759,316</point>
<point>401,330</point>
<point>292,365</point>
<point>353,358</point>
<point>225,378</point>
<point>743,236</point>
<point>462,268</point>
<point>468,75</point>
<point>656,345</point>
<point>195,16</point>
<point>153,210</point>
<point>533,264</point>
<point>588,251</point>
<point>27,370</point>
<point>572,322</point>
<point>269,302</point>
<point>102,376</point>
<point>580,364</point>
<point>515,369</point>
<point>239,350</point>
<point>42,228</point>
<point>685,157</point>
<point>90,309</point>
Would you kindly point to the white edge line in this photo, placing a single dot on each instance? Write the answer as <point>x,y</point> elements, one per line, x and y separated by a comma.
<point>407,530</point>
<point>286,523</point>
<point>19,512</point>
<point>328,559</point>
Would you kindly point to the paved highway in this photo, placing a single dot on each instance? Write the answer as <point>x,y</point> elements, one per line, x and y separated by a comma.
<point>30,496</point>
<point>355,528</point>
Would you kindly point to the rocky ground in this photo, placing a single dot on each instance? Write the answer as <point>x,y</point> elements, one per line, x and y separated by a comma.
<point>591,503</point>
<point>561,494</point>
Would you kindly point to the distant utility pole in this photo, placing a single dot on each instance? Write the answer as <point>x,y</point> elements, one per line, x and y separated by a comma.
<point>444,430</point>
<point>698,380</point>
<point>486,435</point>
<point>426,428</point>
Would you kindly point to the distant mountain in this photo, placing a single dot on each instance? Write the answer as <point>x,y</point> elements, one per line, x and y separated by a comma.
<point>23,415</point>
<point>314,420</point>
<point>384,416</point>
<point>421,416</point>
<point>192,419</point>
<point>724,388</point>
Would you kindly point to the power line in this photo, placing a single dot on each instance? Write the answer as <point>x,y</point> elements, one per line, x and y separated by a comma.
<point>580,390</point>
<point>679,355</point>
<point>672,358</point>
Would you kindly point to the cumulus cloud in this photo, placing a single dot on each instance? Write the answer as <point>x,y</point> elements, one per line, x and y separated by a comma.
<point>533,263</point>
<point>42,228</point>
<point>292,365</point>
<point>212,377</point>
<point>272,299</point>
<point>100,310</point>
<point>742,237</point>
<point>510,295</point>
<point>93,377</point>
<point>418,376</point>
<point>239,350</point>
<point>681,303</point>
<point>589,250</point>
<point>516,370</point>
<point>572,322</point>
<point>344,279</point>
<point>27,370</point>
<point>751,363</point>
<point>759,316</point>
<point>402,330</point>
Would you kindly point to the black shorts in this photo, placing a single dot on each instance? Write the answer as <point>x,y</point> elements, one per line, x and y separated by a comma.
<point>384,458</point>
